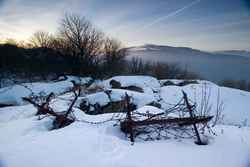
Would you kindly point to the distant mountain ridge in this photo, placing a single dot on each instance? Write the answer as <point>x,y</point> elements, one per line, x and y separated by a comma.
<point>243,53</point>
<point>214,66</point>
<point>188,50</point>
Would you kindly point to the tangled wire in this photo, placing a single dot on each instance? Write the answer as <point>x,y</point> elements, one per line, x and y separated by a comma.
<point>147,131</point>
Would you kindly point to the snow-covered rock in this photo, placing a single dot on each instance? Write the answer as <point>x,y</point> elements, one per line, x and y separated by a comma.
<point>102,98</point>
<point>235,102</point>
<point>149,110</point>
<point>147,83</point>
<point>179,82</point>
<point>14,94</point>
<point>79,80</point>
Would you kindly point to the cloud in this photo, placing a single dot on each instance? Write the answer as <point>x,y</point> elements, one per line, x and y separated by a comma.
<point>20,18</point>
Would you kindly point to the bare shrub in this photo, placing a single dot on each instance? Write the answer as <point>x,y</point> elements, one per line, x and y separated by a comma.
<point>114,57</point>
<point>40,39</point>
<point>159,70</point>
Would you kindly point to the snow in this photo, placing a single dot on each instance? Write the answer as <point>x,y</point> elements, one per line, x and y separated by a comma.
<point>12,113</point>
<point>13,94</point>
<point>27,141</point>
<point>134,49</point>
<point>149,109</point>
<point>14,130</point>
<point>235,102</point>
<point>179,81</point>
<point>139,99</point>
<point>145,111</point>
<point>78,80</point>
<point>89,145</point>
<point>147,83</point>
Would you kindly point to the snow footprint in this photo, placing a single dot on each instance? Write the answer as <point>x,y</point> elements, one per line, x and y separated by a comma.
<point>109,147</point>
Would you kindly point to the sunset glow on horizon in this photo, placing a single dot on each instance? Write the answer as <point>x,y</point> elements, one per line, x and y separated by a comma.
<point>201,24</point>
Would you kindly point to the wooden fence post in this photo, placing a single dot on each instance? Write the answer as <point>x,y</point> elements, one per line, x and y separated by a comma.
<point>190,109</point>
<point>129,117</point>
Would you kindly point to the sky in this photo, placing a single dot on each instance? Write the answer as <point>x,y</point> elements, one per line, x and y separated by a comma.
<point>202,24</point>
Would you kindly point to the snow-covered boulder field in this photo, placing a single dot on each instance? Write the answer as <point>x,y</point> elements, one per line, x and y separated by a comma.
<point>12,95</point>
<point>27,141</point>
<point>116,95</point>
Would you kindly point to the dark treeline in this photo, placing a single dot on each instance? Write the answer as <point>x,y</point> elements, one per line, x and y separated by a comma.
<point>159,70</point>
<point>237,84</point>
<point>37,61</point>
<point>78,48</point>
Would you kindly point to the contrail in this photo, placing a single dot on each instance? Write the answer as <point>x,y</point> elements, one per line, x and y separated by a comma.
<point>172,14</point>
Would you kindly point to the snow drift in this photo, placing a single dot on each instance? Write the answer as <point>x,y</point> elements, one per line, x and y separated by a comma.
<point>27,141</point>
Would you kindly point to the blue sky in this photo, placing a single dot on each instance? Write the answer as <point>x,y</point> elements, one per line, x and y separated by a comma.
<point>202,24</point>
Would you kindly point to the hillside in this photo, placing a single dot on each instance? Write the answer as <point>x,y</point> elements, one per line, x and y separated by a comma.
<point>242,53</point>
<point>211,66</point>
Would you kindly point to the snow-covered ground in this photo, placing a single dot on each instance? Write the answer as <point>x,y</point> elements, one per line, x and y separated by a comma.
<point>27,141</point>
<point>13,94</point>
<point>235,102</point>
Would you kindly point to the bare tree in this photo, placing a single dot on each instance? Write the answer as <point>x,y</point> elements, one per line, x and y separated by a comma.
<point>40,39</point>
<point>83,41</point>
<point>137,66</point>
<point>113,55</point>
<point>95,43</point>
<point>76,30</point>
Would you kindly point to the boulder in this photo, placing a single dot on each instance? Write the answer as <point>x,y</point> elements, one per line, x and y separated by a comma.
<point>178,82</point>
<point>142,84</point>
<point>115,84</point>
<point>112,100</point>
